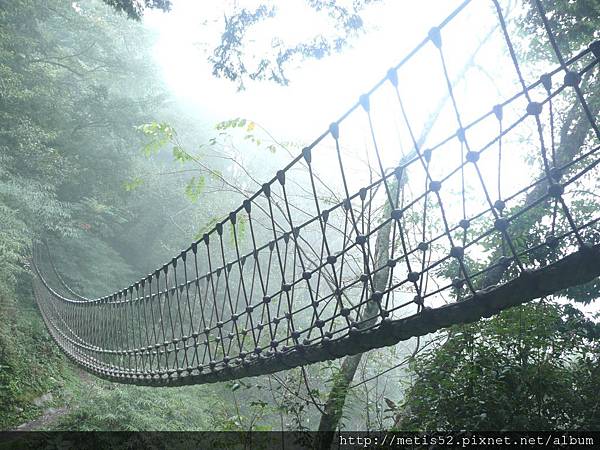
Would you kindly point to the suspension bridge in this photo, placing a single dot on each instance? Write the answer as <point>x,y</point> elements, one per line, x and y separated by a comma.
<point>403,252</point>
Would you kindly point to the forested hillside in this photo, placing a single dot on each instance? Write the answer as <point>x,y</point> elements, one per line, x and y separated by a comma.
<point>112,174</point>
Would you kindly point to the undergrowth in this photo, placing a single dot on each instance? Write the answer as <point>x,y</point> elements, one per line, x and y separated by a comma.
<point>30,363</point>
<point>100,405</point>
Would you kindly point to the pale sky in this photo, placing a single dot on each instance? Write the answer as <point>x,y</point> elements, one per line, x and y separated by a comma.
<point>319,91</point>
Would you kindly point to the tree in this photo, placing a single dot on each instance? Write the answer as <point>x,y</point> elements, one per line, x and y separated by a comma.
<point>75,80</point>
<point>64,171</point>
<point>135,9</point>
<point>530,368</point>
<point>230,59</point>
<point>345,23</point>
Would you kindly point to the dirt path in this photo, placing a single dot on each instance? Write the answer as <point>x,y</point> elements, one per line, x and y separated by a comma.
<point>49,416</point>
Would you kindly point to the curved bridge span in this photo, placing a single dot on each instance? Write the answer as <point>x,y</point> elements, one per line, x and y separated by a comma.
<point>311,268</point>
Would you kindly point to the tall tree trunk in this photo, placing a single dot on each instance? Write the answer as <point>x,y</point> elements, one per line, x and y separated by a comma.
<point>334,406</point>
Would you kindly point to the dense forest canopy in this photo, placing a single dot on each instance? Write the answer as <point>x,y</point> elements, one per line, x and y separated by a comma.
<point>116,174</point>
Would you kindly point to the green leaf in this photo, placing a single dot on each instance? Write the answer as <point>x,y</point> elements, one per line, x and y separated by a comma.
<point>181,155</point>
<point>259,403</point>
<point>194,188</point>
<point>159,135</point>
<point>133,184</point>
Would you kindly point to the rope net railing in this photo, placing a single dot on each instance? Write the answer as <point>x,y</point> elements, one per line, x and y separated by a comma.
<point>336,254</point>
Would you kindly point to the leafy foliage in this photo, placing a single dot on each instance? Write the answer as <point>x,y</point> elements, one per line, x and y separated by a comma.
<point>531,368</point>
<point>135,9</point>
<point>104,406</point>
<point>230,61</point>
<point>575,25</point>
<point>65,155</point>
<point>30,362</point>
<point>13,242</point>
<point>158,134</point>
